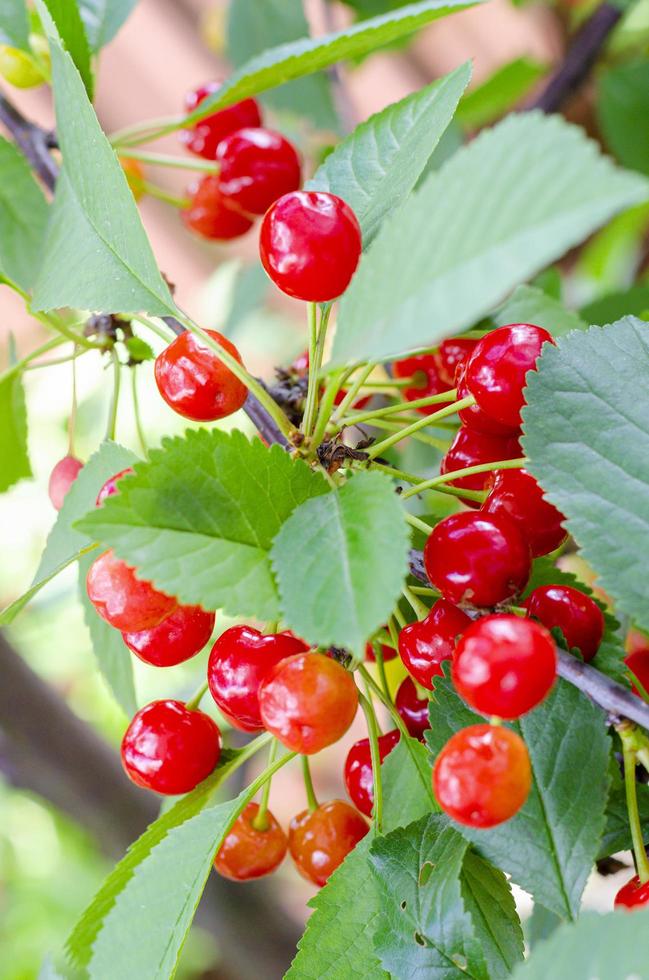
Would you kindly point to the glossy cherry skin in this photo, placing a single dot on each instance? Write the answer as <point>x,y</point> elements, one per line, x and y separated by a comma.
<point>358,773</point>
<point>478,421</point>
<point>204,136</point>
<point>240,659</point>
<point>482,776</point>
<point>517,494</point>
<point>195,382</point>
<point>451,357</point>
<point>577,616</point>
<point>320,841</point>
<point>633,895</point>
<point>178,638</point>
<point>427,382</point>
<point>423,645</point>
<point>310,244</point>
<point>248,853</point>
<point>210,214</point>
<point>110,486</point>
<point>308,702</point>
<point>504,665</point>
<point>257,167</point>
<point>412,709</point>
<point>478,558</point>
<point>62,477</point>
<point>124,601</point>
<point>497,369</point>
<point>471,448</point>
<point>169,749</point>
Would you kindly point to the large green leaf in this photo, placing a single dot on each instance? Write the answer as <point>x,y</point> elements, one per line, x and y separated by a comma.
<point>72,33</point>
<point>624,101</point>
<point>14,24</point>
<point>96,254</point>
<point>406,775</point>
<point>23,217</point>
<point>13,431</point>
<point>341,560</point>
<point>613,306</point>
<point>103,19</point>
<point>587,435</point>
<point>375,168</point>
<point>499,93</point>
<point>199,519</point>
<point>549,847</point>
<point>490,903</point>
<point>502,208</point>
<point>528,304</point>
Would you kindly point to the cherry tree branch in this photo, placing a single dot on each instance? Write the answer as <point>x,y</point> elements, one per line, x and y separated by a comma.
<point>34,141</point>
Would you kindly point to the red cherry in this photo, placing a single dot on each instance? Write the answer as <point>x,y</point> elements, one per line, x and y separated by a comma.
<point>424,645</point>
<point>423,369</point>
<point>204,136</point>
<point>110,486</point>
<point>310,244</point>
<point>308,702</point>
<point>475,419</point>
<point>62,477</point>
<point>517,494</point>
<point>124,601</point>
<point>358,773</point>
<point>320,841</point>
<point>257,167</point>
<point>637,659</point>
<point>482,776</point>
<point>577,616</point>
<point>504,666</point>
<point>471,448</point>
<point>357,404</point>
<point>248,853</point>
<point>497,369</point>
<point>388,653</point>
<point>240,660</point>
<point>179,637</point>
<point>412,708</point>
<point>478,558</point>
<point>452,356</point>
<point>633,895</point>
<point>209,213</point>
<point>195,382</point>
<point>169,749</point>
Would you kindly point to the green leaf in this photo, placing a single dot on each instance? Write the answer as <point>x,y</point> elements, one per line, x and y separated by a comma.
<point>626,302</point>
<point>10,612</point>
<point>623,101</point>
<point>375,168</point>
<point>613,946</point>
<point>500,93</point>
<point>23,217</point>
<point>13,431</point>
<point>256,25</point>
<point>341,560</point>
<point>540,925</point>
<point>199,519</point>
<point>14,25</point>
<point>96,254</point>
<point>527,304</point>
<point>103,19</point>
<point>406,775</point>
<point>72,33</point>
<point>617,835</point>
<point>502,208</point>
<point>586,428</point>
<point>489,901</point>
<point>138,349</point>
<point>550,845</point>
<point>304,57</point>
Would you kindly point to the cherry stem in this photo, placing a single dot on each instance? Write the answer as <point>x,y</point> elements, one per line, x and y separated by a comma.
<point>326,406</point>
<point>391,425</point>
<point>380,447</point>
<point>398,615</point>
<point>419,524</point>
<point>386,701</point>
<point>73,410</point>
<point>478,495</point>
<point>389,384</point>
<point>407,406</point>
<point>57,323</point>
<point>146,132</point>
<point>432,484</point>
<point>629,754</point>
<point>196,698</point>
<point>260,820</point>
<point>375,755</point>
<point>136,412</point>
<point>312,799</point>
<point>162,195</point>
<point>163,333</point>
<point>419,608</point>
<point>112,415</point>
<point>317,336</point>
<point>166,160</point>
<point>380,665</point>
<point>24,361</point>
<point>353,390</point>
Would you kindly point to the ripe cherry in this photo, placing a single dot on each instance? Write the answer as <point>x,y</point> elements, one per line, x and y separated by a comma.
<point>170,749</point>
<point>308,702</point>
<point>62,477</point>
<point>637,660</point>
<point>451,357</point>
<point>110,486</point>
<point>478,558</point>
<point>209,213</point>
<point>319,841</point>
<point>240,659</point>
<point>204,136</point>
<point>633,895</point>
<point>482,776</point>
<point>124,601</point>
<point>412,709</point>
<point>423,369</point>
<point>310,244</point>
<point>176,639</point>
<point>388,653</point>
<point>195,382</point>
<point>517,494</point>
<point>358,772</point>
<point>425,644</point>
<point>248,852</point>
<point>504,665</point>
<point>497,369</point>
<point>471,448</point>
<point>475,419</point>
<point>577,616</point>
<point>257,166</point>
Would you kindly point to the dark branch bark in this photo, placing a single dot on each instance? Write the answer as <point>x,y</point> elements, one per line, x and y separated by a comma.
<point>32,140</point>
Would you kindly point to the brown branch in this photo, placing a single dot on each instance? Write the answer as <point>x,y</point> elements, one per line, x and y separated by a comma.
<point>34,141</point>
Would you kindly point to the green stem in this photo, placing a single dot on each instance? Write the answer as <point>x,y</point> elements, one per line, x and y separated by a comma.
<point>112,415</point>
<point>56,323</point>
<point>478,495</point>
<point>418,524</point>
<point>136,412</point>
<point>308,784</point>
<point>146,132</point>
<point>388,385</point>
<point>56,360</point>
<point>166,160</point>
<point>400,407</point>
<point>394,426</point>
<point>425,590</point>
<point>375,755</point>
<point>642,864</point>
<point>162,195</point>
<point>73,411</point>
<point>419,608</point>
<point>261,821</point>
<point>398,615</point>
<point>326,406</point>
<point>386,701</point>
<point>381,447</point>
<point>161,331</point>
<point>436,481</point>
<point>380,665</point>
<point>24,361</point>
<point>196,698</point>
<point>317,336</point>
<point>353,390</point>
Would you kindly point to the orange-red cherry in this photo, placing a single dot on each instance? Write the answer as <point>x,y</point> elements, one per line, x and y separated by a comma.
<point>319,841</point>
<point>176,639</point>
<point>246,852</point>
<point>423,645</point>
<point>126,602</point>
<point>195,382</point>
<point>358,772</point>
<point>210,213</point>
<point>633,895</point>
